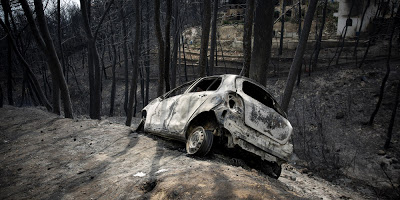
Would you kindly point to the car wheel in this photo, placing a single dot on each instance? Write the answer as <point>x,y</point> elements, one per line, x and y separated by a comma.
<point>272,169</point>
<point>199,141</point>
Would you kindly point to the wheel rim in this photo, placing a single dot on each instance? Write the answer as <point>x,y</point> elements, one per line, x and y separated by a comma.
<point>195,140</point>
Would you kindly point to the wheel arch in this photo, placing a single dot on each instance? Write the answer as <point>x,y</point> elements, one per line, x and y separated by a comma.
<point>207,119</point>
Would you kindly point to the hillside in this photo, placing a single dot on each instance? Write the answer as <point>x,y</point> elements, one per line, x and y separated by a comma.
<point>47,157</point>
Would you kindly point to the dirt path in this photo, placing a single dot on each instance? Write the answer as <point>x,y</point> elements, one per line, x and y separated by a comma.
<point>47,157</point>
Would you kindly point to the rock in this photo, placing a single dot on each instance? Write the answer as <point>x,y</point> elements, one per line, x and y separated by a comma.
<point>396,166</point>
<point>381,152</point>
<point>340,115</point>
<point>394,161</point>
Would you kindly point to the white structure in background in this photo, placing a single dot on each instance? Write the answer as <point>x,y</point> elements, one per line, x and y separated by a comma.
<point>355,16</point>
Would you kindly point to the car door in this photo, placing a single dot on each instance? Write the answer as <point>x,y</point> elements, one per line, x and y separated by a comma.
<point>160,114</point>
<point>186,105</point>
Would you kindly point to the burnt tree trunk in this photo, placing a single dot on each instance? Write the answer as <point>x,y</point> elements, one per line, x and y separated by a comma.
<point>160,40</point>
<point>147,59</point>
<point>213,37</point>
<point>176,33</point>
<point>361,24</point>
<point>93,59</point>
<point>125,52</point>
<point>391,124</point>
<point>248,31</point>
<point>132,95</point>
<point>319,39</point>
<point>167,44</point>
<point>31,76</point>
<point>114,64</point>
<point>345,32</point>
<point>1,96</point>
<point>297,61</point>
<point>385,78</point>
<point>60,37</point>
<point>263,28</point>
<point>282,27</point>
<point>7,11</point>
<point>205,33</point>
<point>46,45</point>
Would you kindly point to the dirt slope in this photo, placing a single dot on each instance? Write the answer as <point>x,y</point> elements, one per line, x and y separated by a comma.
<point>43,156</point>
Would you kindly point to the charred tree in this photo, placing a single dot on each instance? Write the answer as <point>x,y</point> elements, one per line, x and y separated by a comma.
<point>26,68</point>
<point>319,39</point>
<point>282,27</point>
<point>176,33</point>
<point>297,61</point>
<point>45,43</point>
<point>114,64</point>
<point>343,37</point>
<point>160,40</point>
<point>61,53</point>
<point>167,44</point>
<point>248,31</point>
<point>263,30</point>
<point>385,78</point>
<point>132,95</point>
<point>125,52</point>
<point>147,59</point>
<point>7,11</point>
<point>213,37</point>
<point>205,33</point>
<point>93,58</point>
<point>391,124</point>
<point>1,96</point>
<point>361,24</point>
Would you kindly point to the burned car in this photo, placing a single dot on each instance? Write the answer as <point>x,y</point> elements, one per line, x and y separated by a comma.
<point>230,106</point>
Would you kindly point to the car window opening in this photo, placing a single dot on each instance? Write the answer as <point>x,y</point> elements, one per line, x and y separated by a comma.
<point>258,94</point>
<point>207,85</point>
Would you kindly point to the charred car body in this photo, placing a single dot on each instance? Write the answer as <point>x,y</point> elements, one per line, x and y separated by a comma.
<point>229,106</point>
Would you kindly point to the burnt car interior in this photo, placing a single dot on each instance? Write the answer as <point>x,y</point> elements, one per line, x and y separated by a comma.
<point>207,84</point>
<point>262,96</point>
<point>178,90</point>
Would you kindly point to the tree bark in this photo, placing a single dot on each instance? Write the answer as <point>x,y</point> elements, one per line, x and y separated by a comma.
<point>213,37</point>
<point>391,124</point>
<point>125,52</point>
<point>263,28</point>
<point>60,36</point>
<point>160,40</point>
<point>167,44</point>
<point>1,96</point>
<point>248,31</point>
<point>361,24</point>
<point>176,33</point>
<point>46,44</point>
<point>93,59</point>
<point>385,78</point>
<point>7,11</point>
<point>147,61</point>
<point>205,33</point>
<point>114,64</point>
<point>297,61</point>
<point>31,76</point>
<point>318,42</point>
<point>132,95</point>
<point>344,35</point>
<point>282,27</point>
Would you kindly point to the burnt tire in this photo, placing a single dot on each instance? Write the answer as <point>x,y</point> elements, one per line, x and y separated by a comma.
<point>199,141</point>
<point>271,169</point>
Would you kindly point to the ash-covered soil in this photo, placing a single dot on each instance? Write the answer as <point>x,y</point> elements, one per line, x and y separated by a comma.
<point>44,156</point>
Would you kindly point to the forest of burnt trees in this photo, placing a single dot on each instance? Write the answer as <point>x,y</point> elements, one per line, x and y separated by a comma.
<point>46,44</point>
